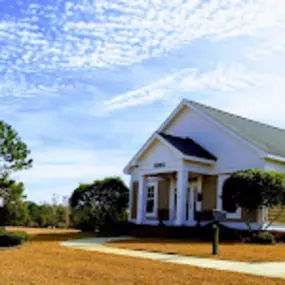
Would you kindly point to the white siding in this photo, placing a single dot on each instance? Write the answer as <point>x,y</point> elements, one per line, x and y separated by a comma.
<point>198,167</point>
<point>232,153</point>
<point>158,152</point>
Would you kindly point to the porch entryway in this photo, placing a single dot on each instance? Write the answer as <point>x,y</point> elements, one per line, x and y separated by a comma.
<point>173,197</point>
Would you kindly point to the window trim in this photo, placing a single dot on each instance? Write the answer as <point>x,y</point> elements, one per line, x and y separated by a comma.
<point>152,214</point>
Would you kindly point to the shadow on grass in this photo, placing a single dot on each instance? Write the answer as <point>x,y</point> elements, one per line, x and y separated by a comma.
<point>59,237</point>
<point>65,236</point>
<point>170,241</point>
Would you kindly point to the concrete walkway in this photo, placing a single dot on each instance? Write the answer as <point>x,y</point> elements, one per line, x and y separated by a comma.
<point>269,269</point>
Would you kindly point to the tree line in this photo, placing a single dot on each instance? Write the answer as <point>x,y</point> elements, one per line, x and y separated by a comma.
<point>102,202</point>
<point>16,211</point>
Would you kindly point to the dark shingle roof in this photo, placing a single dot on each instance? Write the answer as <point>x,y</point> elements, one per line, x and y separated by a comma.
<point>188,147</point>
<point>268,138</point>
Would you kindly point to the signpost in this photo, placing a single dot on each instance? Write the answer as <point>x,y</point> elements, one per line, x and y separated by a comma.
<point>219,216</point>
<point>216,235</point>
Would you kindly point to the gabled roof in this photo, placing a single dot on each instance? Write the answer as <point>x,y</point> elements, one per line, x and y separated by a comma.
<point>188,147</point>
<point>268,138</point>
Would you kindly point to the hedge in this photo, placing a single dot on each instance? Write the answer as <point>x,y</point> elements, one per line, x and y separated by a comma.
<point>12,239</point>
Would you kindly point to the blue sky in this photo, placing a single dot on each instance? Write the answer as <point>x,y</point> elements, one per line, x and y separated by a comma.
<point>86,82</point>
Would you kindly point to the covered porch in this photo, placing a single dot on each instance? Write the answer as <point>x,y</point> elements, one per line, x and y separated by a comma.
<point>174,197</point>
<point>173,179</point>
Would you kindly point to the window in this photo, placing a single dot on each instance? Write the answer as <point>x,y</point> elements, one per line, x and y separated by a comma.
<point>151,200</point>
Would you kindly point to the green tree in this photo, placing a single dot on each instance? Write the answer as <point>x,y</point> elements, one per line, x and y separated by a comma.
<point>33,211</point>
<point>61,216</point>
<point>14,211</point>
<point>100,204</point>
<point>14,153</point>
<point>17,214</point>
<point>252,189</point>
<point>14,156</point>
<point>46,215</point>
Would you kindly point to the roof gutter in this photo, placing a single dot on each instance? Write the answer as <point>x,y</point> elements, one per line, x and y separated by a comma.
<point>275,157</point>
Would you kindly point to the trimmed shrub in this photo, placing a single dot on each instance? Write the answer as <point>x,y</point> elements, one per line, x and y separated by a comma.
<point>226,234</point>
<point>23,236</point>
<point>204,233</point>
<point>263,238</point>
<point>146,231</point>
<point>279,236</point>
<point>12,239</point>
<point>116,229</point>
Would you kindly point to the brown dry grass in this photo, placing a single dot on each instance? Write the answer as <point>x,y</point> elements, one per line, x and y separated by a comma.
<point>42,231</point>
<point>43,261</point>
<point>228,251</point>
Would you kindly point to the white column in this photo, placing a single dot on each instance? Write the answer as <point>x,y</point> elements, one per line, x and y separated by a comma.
<point>172,200</point>
<point>130,199</point>
<point>182,185</point>
<point>141,200</point>
<point>199,203</point>
<point>262,216</point>
<point>191,205</point>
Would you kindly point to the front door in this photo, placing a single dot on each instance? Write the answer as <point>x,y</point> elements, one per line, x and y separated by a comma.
<point>192,199</point>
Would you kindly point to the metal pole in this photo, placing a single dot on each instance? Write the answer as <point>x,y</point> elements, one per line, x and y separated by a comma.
<point>216,233</point>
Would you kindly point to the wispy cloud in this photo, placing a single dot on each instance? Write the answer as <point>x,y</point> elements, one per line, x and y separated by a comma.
<point>228,78</point>
<point>159,90</point>
<point>95,34</point>
<point>65,67</point>
<point>270,45</point>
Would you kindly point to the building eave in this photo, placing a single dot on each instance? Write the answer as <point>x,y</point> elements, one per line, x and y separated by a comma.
<point>274,157</point>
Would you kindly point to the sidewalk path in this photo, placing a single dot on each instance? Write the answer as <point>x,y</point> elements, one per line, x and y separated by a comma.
<point>269,269</point>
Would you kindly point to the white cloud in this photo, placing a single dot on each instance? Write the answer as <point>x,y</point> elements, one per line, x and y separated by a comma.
<point>54,165</point>
<point>270,44</point>
<point>224,78</point>
<point>159,90</point>
<point>264,103</point>
<point>229,78</point>
<point>83,38</point>
<point>96,34</point>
